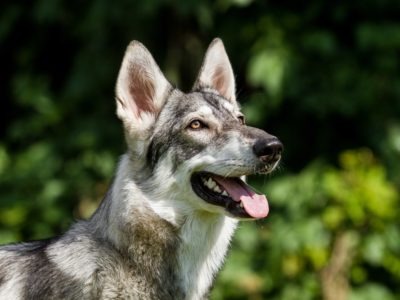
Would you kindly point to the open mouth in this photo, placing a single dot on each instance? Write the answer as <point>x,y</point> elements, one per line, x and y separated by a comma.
<point>232,193</point>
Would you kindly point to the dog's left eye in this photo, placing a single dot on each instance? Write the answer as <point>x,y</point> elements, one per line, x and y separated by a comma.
<point>197,124</point>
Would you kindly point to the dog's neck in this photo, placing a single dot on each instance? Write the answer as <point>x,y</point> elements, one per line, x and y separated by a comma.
<point>192,250</point>
<point>205,240</point>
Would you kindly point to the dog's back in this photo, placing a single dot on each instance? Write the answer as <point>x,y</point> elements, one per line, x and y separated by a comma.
<point>164,227</point>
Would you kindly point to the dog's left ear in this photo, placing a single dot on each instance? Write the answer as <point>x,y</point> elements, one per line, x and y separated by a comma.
<point>216,72</point>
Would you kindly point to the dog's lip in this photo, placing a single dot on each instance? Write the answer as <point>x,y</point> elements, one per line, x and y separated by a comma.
<point>232,193</point>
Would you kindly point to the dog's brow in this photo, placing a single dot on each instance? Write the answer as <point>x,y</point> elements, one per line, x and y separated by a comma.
<point>205,110</point>
<point>228,106</point>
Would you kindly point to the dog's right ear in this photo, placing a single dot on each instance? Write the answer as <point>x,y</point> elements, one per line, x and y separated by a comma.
<point>141,89</point>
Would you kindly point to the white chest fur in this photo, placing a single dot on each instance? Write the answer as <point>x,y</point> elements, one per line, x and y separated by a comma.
<point>205,240</point>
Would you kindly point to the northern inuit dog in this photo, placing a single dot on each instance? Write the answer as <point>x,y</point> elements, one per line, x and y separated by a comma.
<point>164,227</point>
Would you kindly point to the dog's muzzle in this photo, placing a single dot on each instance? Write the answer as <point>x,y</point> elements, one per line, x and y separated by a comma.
<point>239,199</point>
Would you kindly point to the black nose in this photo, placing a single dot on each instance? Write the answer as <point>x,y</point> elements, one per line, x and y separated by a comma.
<point>268,150</point>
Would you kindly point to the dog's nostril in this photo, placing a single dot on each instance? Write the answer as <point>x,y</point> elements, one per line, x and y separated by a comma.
<point>268,149</point>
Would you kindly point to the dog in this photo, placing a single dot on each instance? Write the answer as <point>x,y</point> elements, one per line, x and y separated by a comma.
<point>163,229</point>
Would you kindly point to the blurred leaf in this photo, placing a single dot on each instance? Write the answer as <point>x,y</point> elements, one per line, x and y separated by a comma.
<point>378,36</point>
<point>371,292</point>
<point>267,69</point>
<point>4,159</point>
<point>13,216</point>
<point>374,249</point>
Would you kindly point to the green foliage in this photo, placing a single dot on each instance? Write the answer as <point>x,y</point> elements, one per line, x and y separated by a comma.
<point>361,191</point>
<point>323,76</point>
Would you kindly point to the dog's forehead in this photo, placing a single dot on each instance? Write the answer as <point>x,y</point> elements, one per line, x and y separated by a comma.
<point>204,110</point>
<point>181,106</point>
<point>209,104</point>
<point>229,106</point>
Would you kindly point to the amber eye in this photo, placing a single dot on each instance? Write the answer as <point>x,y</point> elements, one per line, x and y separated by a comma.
<point>241,120</point>
<point>196,124</point>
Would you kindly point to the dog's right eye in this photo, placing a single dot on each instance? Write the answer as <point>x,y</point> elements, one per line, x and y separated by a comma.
<point>196,125</point>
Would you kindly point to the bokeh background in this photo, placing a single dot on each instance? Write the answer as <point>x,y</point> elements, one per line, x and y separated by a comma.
<point>322,75</point>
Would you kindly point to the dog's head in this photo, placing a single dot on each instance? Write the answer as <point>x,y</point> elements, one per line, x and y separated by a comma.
<point>189,150</point>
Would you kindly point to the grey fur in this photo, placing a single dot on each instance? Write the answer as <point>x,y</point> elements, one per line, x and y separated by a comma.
<point>152,237</point>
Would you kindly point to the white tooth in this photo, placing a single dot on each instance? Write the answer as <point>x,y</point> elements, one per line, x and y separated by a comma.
<point>217,189</point>
<point>225,193</point>
<point>211,183</point>
<point>241,204</point>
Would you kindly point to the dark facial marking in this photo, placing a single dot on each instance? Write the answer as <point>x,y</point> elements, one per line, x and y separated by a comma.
<point>171,134</point>
<point>229,121</point>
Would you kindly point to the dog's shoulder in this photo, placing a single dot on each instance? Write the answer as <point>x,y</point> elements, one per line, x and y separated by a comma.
<point>47,269</point>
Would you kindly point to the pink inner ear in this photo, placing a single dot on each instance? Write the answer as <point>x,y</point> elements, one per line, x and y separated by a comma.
<point>141,89</point>
<point>221,81</point>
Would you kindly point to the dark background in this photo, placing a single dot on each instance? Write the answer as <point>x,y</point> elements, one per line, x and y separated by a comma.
<point>323,76</point>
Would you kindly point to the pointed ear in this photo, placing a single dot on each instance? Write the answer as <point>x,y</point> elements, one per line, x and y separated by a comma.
<point>141,88</point>
<point>216,72</point>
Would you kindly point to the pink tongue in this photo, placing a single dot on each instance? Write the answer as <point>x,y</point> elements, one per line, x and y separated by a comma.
<point>255,205</point>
